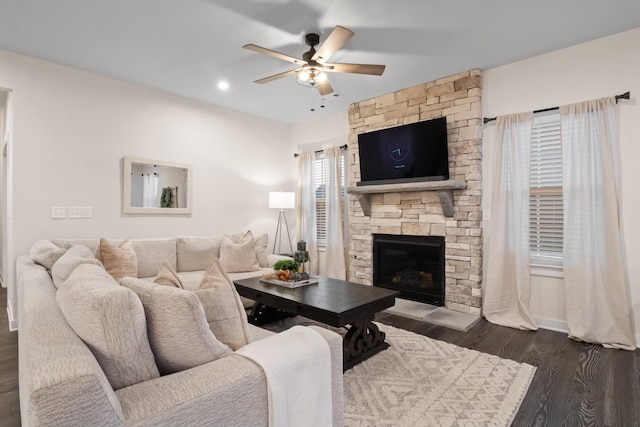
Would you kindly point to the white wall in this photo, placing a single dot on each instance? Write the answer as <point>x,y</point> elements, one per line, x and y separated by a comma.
<point>72,128</point>
<point>324,132</point>
<point>601,68</point>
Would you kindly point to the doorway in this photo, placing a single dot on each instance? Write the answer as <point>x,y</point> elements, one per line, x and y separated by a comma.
<point>6,205</point>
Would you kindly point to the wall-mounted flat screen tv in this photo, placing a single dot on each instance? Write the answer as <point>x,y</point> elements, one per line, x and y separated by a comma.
<point>407,153</point>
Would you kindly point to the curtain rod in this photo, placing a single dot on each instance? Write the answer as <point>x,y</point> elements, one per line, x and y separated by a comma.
<point>625,95</point>
<point>342,147</point>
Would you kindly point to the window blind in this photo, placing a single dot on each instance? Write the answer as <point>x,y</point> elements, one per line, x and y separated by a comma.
<point>545,193</point>
<point>320,184</point>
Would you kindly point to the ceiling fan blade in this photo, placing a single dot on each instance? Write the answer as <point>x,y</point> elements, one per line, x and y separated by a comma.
<point>277,76</point>
<point>324,88</point>
<point>372,69</point>
<point>273,53</point>
<point>338,37</point>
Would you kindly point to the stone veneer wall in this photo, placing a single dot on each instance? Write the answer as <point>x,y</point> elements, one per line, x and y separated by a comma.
<point>457,97</point>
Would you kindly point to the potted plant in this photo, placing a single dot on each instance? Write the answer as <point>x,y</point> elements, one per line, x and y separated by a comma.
<point>286,269</point>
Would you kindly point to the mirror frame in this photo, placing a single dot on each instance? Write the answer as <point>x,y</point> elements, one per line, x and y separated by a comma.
<point>126,188</point>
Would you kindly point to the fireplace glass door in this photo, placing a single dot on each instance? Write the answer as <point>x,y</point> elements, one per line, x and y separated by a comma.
<point>412,265</point>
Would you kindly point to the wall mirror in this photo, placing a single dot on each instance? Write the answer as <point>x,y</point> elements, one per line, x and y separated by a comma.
<point>156,187</point>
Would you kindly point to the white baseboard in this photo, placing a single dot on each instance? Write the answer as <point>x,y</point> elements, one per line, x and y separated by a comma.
<point>562,326</point>
<point>13,323</point>
<point>552,324</point>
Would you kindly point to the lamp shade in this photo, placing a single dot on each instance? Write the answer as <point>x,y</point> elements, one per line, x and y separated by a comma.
<point>282,199</point>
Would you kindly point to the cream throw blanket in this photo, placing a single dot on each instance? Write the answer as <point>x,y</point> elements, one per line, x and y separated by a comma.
<point>297,364</point>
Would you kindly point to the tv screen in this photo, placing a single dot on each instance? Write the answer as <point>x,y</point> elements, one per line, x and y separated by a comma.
<point>414,152</point>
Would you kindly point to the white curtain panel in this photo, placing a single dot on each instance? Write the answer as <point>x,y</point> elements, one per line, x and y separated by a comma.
<point>150,190</point>
<point>306,208</point>
<point>508,287</point>
<point>335,259</point>
<point>597,292</point>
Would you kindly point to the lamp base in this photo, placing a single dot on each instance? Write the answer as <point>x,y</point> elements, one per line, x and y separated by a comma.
<point>278,238</point>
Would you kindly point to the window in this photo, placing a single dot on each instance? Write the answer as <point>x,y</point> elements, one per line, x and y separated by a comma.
<point>320,180</point>
<point>545,192</point>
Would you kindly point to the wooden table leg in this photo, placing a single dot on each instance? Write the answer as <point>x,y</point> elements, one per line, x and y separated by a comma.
<point>362,341</point>
<point>262,314</point>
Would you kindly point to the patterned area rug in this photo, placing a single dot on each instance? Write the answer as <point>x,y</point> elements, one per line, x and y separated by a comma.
<point>420,381</point>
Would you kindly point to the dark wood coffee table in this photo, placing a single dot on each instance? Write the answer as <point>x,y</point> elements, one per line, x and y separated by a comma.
<point>333,302</point>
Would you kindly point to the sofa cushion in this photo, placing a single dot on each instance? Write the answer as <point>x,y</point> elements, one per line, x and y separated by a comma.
<point>152,253</point>
<point>222,306</point>
<point>45,253</point>
<point>239,255</point>
<point>167,276</point>
<point>119,261</point>
<point>110,319</point>
<point>72,258</point>
<point>196,253</point>
<point>177,327</point>
<point>93,244</point>
<point>190,279</point>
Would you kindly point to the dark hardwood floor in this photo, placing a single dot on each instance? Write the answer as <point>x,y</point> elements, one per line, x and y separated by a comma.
<point>9,400</point>
<point>575,384</point>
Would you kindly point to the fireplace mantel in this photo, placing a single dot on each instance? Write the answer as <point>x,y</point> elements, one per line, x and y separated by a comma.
<point>444,189</point>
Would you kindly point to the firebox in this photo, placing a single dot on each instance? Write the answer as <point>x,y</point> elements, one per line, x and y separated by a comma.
<point>412,265</point>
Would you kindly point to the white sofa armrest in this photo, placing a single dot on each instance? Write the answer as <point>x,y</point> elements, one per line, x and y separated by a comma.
<point>230,391</point>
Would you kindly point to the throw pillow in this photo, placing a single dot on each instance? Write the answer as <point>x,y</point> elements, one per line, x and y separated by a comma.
<point>261,249</point>
<point>119,261</point>
<point>110,319</point>
<point>72,258</point>
<point>45,253</point>
<point>167,276</point>
<point>239,256</point>
<point>222,306</point>
<point>177,327</point>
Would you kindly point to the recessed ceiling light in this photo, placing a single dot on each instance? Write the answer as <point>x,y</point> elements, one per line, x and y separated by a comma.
<point>222,85</point>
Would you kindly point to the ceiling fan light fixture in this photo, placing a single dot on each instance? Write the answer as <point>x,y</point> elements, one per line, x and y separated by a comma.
<point>310,77</point>
<point>304,76</point>
<point>321,77</point>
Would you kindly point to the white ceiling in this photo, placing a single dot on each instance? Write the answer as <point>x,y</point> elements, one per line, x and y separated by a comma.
<point>185,47</point>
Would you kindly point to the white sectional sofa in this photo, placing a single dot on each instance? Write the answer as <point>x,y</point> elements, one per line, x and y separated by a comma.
<point>64,379</point>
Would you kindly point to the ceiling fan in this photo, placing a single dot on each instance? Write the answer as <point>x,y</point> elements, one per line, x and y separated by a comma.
<point>313,66</point>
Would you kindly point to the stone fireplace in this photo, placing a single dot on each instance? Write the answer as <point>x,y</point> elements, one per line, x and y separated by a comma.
<point>451,210</point>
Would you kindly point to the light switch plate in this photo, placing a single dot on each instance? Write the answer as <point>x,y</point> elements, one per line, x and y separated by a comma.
<point>58,212</point>
<point>80,212</point>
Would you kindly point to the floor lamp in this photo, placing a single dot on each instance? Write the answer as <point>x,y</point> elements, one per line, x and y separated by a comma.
<point>282,200</point>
